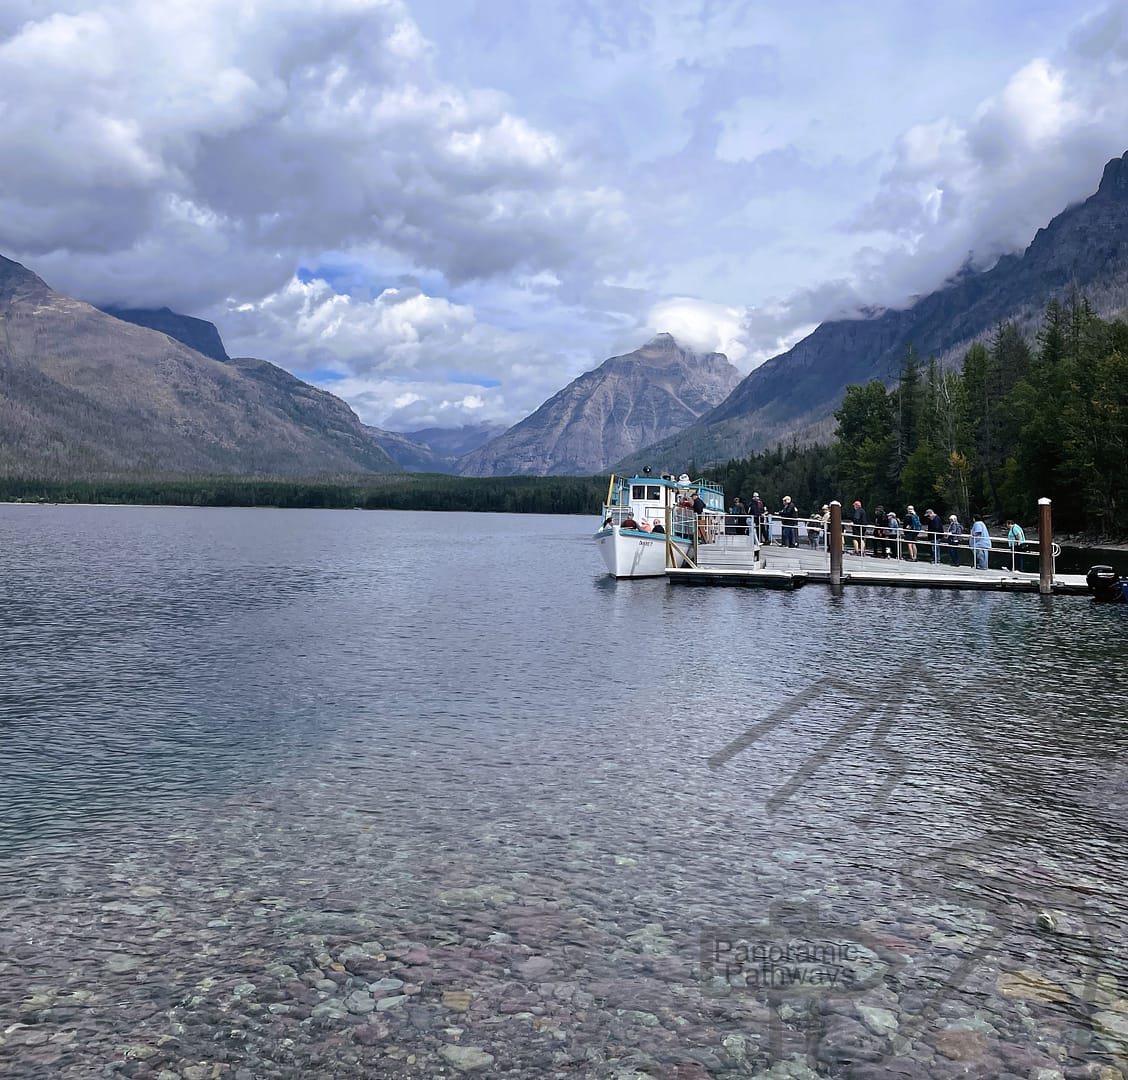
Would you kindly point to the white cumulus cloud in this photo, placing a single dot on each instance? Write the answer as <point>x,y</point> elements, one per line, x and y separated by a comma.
<point>449,209</point>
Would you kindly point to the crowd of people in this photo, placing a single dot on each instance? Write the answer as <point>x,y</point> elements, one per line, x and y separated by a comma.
<point>885,536</point>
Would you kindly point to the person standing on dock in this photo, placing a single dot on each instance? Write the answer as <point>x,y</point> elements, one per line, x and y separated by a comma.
<point>893,535</point>
<point>816,528</point>
<point>935,531</point>
<point>756,512</point>
<point>1015,539</point>
<point>980,540</point>
<point>880,551</point>
<point>912,532</point>
<point>953,533</point>
<point>859,521</point>
<point>738,523</point>
<point>789,516</point>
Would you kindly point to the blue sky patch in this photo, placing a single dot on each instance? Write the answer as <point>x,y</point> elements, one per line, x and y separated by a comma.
<point>320,375</point>
<point>472,380</point>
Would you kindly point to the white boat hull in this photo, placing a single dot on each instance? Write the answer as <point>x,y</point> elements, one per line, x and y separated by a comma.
<point>629,554</point>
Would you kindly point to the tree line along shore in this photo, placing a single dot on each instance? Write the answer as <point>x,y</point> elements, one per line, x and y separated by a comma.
<point>413,491</point>
<point>1017,421</point>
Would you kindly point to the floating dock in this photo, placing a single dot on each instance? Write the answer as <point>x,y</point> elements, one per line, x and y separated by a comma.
<point>733,560</point>
<point>742,560</point>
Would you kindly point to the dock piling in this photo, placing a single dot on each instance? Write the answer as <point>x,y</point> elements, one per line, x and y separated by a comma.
<point>834,542</point>
<point>1045,547</point>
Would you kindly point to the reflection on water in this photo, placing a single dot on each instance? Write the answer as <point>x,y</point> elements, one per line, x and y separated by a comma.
<point>308,793</point>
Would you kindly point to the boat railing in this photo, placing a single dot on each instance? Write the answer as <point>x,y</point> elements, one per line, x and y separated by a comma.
<point>683,522</point>
<point>615,515</point>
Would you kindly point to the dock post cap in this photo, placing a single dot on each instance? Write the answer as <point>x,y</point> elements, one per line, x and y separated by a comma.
<point>1044,501</point>
<point>835,502</point>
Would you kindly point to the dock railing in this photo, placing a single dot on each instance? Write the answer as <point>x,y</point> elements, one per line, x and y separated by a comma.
<point>813,534</point>
<point>929,547</point>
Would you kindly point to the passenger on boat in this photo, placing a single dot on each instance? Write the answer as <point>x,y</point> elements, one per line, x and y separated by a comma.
<point>644,525</point>
<point>628,523</point>
<point>657,527</point>
<point>699,510</point>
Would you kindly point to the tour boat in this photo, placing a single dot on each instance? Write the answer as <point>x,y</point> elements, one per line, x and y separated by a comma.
<point>635,505</point>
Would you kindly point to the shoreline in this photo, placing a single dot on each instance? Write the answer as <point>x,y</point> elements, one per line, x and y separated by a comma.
<point>1072,542</point>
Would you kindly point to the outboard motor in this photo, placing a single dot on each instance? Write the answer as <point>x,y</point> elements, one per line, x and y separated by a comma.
<point>1105,585</point>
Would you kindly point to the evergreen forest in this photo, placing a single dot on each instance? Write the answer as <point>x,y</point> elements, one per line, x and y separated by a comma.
<point>1017,421</point>
<point>400,491</point>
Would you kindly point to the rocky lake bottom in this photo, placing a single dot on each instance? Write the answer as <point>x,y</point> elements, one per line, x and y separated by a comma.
<point>271,809</point>
<point>288,938</point>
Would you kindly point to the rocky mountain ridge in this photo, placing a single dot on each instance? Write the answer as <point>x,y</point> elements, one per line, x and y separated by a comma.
<point>1084,248</point>
<point>617,408</point>
<point>84,392</point>
<point>198,334</point>
<point>430,450</point>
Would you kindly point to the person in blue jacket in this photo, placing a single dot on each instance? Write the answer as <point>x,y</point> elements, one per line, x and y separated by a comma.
<point>892,535</point>
<point>980,541</point>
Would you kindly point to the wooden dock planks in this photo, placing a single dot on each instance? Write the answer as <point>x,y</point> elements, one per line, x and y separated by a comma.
<point>733,561</point>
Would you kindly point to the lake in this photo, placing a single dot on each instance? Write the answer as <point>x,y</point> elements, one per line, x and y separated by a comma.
<point>317,793</point>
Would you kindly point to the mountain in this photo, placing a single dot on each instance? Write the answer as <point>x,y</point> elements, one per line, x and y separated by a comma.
<point>84,392</point>
<point>795,394</point>
<point>195,333</point>
<point>623,405</point>
<point>427,450</point>
<point>453,443</point>
<point>434,449</point>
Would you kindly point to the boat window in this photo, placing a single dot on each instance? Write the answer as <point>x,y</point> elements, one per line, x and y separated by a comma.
<point>638,492</point>
<point>653,492</point>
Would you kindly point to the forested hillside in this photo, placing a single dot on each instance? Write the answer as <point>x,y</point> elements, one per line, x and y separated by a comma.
<point>1018,420</point>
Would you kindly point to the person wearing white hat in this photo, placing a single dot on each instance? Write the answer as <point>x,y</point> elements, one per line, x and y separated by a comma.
<point>953,534</point>
<point>789,517</point>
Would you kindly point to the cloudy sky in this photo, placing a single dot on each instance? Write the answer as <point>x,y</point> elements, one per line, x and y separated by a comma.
<point>445,210</point>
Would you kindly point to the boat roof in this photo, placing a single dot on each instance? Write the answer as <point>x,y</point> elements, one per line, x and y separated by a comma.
<point>668,480</point>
